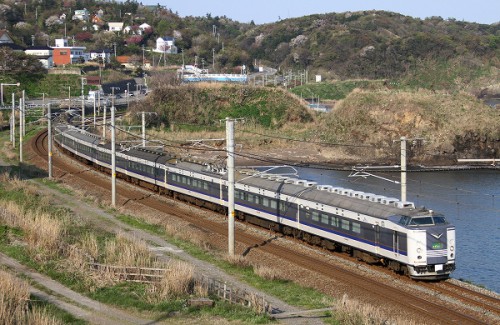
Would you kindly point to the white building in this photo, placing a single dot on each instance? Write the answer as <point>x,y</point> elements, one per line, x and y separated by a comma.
<point>115,26</point>
<point>44,55</point>
<point>165,45</point>
<point>101,55</point>
<point>82,14</point>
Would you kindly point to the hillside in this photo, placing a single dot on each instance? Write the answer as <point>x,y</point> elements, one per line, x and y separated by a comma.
<point>364,44</point>
<point>365,126</point>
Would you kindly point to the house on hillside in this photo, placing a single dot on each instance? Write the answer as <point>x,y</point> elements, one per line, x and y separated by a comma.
<point>103,55</point>
<point>115,26</point>
<point>6,41</point>
<point>82,14</point>
<point>165,45</point>
<point>65,54</point>
<point>43,53</point>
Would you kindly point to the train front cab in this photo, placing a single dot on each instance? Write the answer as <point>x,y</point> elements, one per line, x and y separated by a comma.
<point>431,247</point>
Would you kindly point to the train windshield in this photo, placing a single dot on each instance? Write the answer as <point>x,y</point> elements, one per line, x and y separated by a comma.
<point>423,221</point>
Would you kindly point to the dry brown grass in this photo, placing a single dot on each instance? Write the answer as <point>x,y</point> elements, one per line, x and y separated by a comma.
<point>177,281</point>
<point>14,297</point>
<point>14,303</point>
<point>237,260</point>
<point>182,232</point>
<point>268,273</point>
<point>42,232</point>
<point>124,250</point>
<point>352,312</point>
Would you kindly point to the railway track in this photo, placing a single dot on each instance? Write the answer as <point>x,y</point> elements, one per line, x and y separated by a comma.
<point>427,306</point>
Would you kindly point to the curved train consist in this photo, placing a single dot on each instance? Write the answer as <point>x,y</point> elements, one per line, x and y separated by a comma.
<point>373,228</point>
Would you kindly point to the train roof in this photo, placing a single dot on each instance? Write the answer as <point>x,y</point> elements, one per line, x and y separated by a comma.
<point>311,191</point>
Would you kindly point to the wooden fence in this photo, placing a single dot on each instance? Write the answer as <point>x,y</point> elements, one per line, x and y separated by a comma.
<point>215,287</point>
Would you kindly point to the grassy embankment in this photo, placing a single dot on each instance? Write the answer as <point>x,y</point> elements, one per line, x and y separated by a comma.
<point>368,117</point>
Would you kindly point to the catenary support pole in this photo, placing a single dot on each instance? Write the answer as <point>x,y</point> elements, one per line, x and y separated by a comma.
<point>113,156</point>
<point>144,129</point>
<point>20,130</point>
<point>23,110</point>
<point>230,179</point>
<point>403,169</point>
<point>49,139</point>
<point>13,122</point>
<point>104,123</point>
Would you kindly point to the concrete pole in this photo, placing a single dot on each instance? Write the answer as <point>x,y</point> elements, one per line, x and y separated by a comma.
<point>94,113</point>
<point>23,109</point>
<point>144,129</point>
<point>230,180</point>
<point>13,122</point>
<point>104,123</point>
<point>20,131</point>
<point>83,107</point>
<point>49,139</point>
<point>403,169</point>
<point>113,155</point>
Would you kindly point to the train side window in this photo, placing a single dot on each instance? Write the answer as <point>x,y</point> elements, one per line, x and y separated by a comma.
<point>345,224</point>
<point>356,227</point>
<point>334,221</point>
<point>324,218</point>
<point>315,216</point>
<point>250,197</point>
<point>205,185</point>
<point>265,201</point>
<point>282,206</point>
<point>274,204</point>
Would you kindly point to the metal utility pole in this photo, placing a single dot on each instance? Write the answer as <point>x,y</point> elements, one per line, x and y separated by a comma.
<point>213,60</point>
<point>230,180</point>
<point>49,139</point>
<point>69,97</point>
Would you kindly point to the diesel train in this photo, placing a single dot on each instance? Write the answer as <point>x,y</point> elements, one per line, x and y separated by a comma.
<point>373,228</point>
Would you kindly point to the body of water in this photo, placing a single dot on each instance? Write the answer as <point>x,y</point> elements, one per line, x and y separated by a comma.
<point>469,199</point>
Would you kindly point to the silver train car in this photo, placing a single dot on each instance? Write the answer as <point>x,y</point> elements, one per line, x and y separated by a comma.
<point>373,228</point>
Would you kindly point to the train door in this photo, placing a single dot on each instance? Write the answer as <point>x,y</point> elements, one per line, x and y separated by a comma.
<point>377,239</point>
<point>395,243</point>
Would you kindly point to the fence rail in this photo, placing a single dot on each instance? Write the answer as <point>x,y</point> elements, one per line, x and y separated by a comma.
<point>256,302</point>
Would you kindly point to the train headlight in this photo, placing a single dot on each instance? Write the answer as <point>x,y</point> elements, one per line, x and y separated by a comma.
<point>419,250</point>
<point>452,248</point>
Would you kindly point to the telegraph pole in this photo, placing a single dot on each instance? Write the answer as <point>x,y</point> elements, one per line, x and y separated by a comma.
<point>230,179</point>
<point>49,139</point>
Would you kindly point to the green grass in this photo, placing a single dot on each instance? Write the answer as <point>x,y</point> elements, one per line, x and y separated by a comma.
<point>287,291</point>
<point>57,313</point>
<point>332,90</point>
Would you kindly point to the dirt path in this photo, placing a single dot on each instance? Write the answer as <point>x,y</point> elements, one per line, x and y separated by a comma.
<point>71,301</point>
